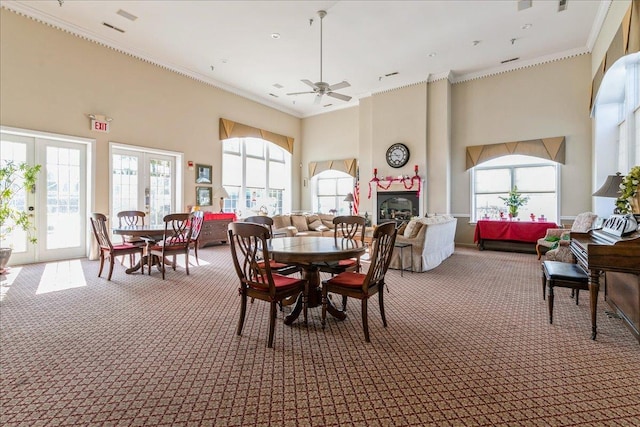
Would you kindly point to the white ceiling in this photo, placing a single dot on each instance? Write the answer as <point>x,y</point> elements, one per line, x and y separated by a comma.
<point>363,41</point>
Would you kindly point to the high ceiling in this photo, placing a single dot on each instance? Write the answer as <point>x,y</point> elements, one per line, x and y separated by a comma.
<point>229,44</point>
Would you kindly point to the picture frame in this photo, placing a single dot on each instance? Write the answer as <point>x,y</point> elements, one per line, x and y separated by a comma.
<point>203,174</point>
<point>203,196</point>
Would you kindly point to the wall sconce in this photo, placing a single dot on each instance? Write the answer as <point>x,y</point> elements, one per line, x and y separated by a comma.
<point>221,194</point>
<point>349,198</point>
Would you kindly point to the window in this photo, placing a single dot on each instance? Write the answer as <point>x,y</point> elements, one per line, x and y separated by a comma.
<point>534,177</point>
<point>330,188</point>
<point>256,174</point>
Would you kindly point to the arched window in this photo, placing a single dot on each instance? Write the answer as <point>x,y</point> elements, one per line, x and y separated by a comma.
<point>534,177</point>
<point>257,175</point>
<point>329,190</point>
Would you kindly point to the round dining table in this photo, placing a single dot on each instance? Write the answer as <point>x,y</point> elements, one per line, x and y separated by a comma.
<point>310,252</point>
<point>149,233</point>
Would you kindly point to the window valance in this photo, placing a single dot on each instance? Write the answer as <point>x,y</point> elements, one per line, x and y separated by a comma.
<point>349,166</point>
<point>545,148</point>
<point>230,129</point>
<point>625,42</point>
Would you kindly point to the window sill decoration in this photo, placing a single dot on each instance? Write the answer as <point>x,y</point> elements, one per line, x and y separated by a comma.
<point>407,182</point>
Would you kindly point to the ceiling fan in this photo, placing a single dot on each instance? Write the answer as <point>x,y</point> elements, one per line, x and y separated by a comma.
<point>321,88</point>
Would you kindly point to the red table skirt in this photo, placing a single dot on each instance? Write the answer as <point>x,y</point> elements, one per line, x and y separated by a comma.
<point>517,231</point>
<point>208,216</point>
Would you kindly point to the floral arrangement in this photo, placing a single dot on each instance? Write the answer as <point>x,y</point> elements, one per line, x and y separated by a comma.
<point>629,191</point>
<point>514,200</point>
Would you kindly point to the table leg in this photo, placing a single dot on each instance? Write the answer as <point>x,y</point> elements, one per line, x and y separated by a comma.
<point>312,274</point>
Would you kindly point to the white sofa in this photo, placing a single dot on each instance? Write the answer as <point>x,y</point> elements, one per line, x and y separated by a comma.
<point>432,240</point>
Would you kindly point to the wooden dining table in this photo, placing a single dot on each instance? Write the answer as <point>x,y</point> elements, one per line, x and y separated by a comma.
<point>149,233</point>
<point>310,252</point>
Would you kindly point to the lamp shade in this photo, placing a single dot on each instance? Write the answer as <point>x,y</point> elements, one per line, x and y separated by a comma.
<point>611,187</point>
<point>349,197</point>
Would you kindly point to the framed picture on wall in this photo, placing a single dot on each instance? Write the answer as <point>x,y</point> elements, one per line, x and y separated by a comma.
<point>203,174</point>
<point>203,196</point>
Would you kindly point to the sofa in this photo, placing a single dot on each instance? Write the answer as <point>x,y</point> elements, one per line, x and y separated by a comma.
<point>292,225</point>
<point>432,240</point>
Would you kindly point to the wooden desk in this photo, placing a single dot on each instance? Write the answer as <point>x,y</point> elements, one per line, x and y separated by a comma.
<point>509,230</point>
<point>307,252</point>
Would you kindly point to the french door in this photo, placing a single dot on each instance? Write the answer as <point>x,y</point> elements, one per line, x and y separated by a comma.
<point>58,205</point>
<point>144,181</point>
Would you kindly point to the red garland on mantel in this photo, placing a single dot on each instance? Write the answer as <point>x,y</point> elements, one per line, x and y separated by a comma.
<point>407,182</point>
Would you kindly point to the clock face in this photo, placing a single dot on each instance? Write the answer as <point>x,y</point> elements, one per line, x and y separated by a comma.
<point>397,155</point>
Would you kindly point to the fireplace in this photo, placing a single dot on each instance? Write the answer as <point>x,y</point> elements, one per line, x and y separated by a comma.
<point>397,206</point>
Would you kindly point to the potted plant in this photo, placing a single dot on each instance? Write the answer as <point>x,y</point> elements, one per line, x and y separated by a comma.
<point>629,199</point>
<point>514,200</point>
<point>14,179</point>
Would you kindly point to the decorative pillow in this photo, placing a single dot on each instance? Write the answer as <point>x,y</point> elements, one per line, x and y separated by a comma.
<point>317,225</point>
<point>411,230</point>
<point>312,218</point>
<point>281,221</point>
<point>299,222</point>
<point>402,228</point>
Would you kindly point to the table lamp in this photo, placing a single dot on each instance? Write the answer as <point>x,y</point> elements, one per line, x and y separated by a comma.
<point>349,198</point>
<point>222,194</point>
<point>611,186</point>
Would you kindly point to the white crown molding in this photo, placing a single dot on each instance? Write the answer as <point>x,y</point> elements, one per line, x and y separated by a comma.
<point>26,11</point>
<point>598,23</point>
<point>505,68</point>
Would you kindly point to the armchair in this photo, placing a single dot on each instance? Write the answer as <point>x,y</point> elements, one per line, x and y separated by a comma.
<point>562,252</point>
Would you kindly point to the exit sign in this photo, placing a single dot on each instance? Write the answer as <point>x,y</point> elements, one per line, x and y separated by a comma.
<point>99,126</point>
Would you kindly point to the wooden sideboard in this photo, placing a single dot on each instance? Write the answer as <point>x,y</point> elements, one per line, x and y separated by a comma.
<point>214,228</point>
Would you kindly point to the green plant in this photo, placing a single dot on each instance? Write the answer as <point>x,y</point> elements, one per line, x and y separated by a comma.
<point>13,180</point>
<point>628,190</point>
<point>514,200</point>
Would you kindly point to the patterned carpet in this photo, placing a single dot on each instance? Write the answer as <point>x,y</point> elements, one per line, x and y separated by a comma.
<point>468,344</point>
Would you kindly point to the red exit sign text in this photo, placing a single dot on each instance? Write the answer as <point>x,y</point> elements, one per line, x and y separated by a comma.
<point>99,126</point>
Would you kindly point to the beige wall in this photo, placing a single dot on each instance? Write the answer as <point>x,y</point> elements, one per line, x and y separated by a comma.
<point>542,101</point>
<point>329,136</point>
<point>50,79</point>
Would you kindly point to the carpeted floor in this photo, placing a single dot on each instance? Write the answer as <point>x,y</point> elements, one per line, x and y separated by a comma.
<point>468,344</point>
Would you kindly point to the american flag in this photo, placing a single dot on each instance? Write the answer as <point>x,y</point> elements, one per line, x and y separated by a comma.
<point>356,193</point>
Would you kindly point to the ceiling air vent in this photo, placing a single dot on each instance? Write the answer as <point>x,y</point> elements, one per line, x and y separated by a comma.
<point>509,60</point>
<point>112,27</point>
<point>562,5</point>
<point>127,15</point>
<point>524,4</point>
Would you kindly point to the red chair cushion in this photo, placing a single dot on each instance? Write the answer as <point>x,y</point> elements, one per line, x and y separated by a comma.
<point>274,265</point>
<point>124,247</point>
<point>282,282</point>
<point>345,263</point>
<point>348,279</point>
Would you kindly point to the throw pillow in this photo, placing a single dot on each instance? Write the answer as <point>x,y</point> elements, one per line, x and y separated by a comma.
<point>281,221</point>
<point>299,222</point>
<point>402,228</point>
<point>317,225</point>
<point>411,230</point>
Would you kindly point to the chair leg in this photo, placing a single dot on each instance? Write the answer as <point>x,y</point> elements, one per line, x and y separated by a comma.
<point>195,250</point>
<point>324,307</point>
<point>577,295</point>
<point>305,301</point>
<point>365,320</point>
<point>101,262</point>
<point>381,303</point>
<point>111,263</point>
<point>550,302</point>
<point>538,251</point>
<point>186,262</point>
<point>273,311</point>
<point>243,312</point>
<point>544,284</point>
<point>344,303</point>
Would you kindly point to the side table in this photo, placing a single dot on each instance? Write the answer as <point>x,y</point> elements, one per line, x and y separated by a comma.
<point>401,246</point>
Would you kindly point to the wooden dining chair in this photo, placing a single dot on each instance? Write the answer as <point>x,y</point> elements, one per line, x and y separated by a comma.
<point>107,249</point>
<point>175,241</point>
<point>195,222</point>
<point>249,244</point>
<point>345,227</point>
<point>129,219</point>
<point>279,267</point>
<point>364,286</point>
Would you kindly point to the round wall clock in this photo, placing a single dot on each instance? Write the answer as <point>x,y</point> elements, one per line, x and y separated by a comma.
<point>397,155</point>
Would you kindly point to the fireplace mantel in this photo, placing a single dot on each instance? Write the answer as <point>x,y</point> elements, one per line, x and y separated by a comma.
<point>398,187</point>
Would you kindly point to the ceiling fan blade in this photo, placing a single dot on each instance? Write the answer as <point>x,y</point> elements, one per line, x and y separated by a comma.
<point>339,96</point>
<point>310,83</point>
<point>299,93</point>
<point>340,85</point>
